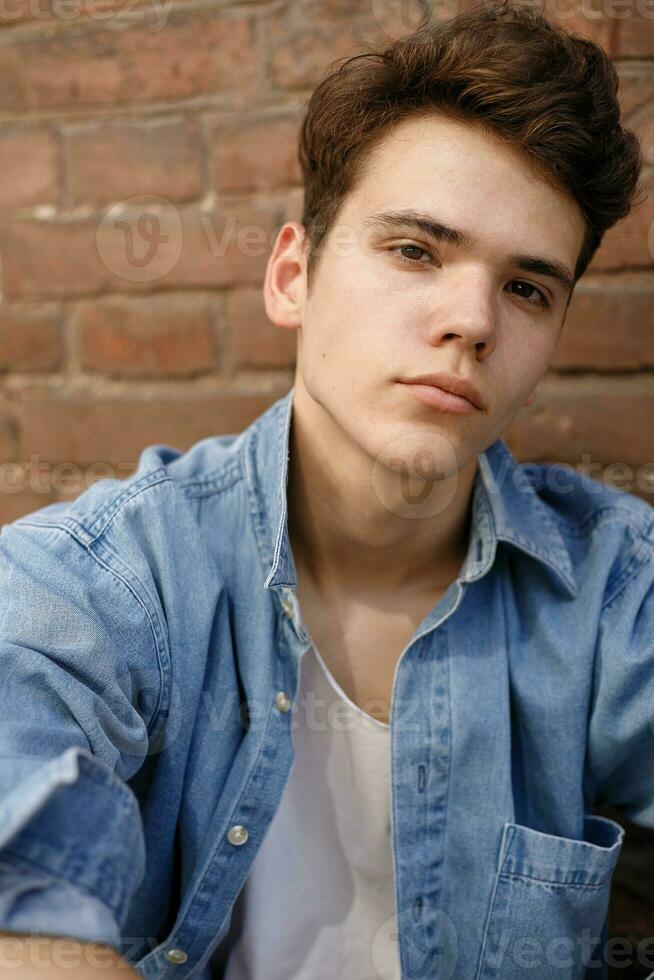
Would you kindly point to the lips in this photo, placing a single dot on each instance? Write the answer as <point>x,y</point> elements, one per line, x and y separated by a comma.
<point>443,401</point>
<point>452,384</point>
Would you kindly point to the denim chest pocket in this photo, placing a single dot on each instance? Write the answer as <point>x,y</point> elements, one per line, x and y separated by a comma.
<point>549,903</point>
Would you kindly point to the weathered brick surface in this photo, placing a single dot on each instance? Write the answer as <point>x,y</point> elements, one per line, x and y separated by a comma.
<point>51,259</point>
<point>599,424</point>
<point>83,428</point>
<point>136,247</point>
<point>76,13</point>
<point>225,247</point>
<point>196,53</point>
<point>159,160</point>
<point>149,336</point>
<point>30,340</point>
<point>16,494</point>
<point>9,429</point>
<point>636,85</point>
<point>584,19</point>
<point>606,417</point>
<point>111,162</point>
<point>609,325</point>
<point>252,340</point>
<point>300,48</point>
<point>630,243</point>
<point>29,168</point>
<point>256,153</point>
<point>634,35</point>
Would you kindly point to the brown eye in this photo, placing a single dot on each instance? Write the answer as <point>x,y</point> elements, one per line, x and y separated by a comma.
<point>543,299</point>
<point>398,249</point>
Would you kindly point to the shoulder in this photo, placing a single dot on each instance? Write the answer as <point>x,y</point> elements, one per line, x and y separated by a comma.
<point>144,537</point>
<point>604,528</point>
<point>580,501</point>
<point>163,484</point>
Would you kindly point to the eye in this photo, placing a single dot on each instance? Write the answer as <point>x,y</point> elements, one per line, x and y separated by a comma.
<point>540,301</point>
<point>398,249</point>
<point>543,299</point>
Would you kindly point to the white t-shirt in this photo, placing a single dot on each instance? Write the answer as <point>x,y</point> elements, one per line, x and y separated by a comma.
<point>319,899</point>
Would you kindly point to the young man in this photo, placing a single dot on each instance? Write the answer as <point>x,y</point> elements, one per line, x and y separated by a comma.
<point>338,696</point>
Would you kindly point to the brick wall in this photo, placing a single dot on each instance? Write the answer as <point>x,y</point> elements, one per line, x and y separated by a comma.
<point>148,155</point>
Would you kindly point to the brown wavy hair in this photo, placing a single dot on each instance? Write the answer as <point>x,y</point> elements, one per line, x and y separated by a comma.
<point>550,94</point>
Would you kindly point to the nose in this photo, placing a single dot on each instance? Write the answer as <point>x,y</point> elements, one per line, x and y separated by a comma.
<point>464,314</point>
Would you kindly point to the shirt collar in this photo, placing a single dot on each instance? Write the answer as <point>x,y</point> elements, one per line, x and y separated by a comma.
<point>506,506</point>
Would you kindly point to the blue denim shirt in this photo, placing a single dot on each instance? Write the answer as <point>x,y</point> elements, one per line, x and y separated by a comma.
<point>149,631</point>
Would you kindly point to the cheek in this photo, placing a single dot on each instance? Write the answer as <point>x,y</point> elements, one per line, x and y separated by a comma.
<point>512,375</point>
<point>524,353</point>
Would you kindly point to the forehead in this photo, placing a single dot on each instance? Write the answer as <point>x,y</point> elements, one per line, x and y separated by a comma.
<point>473,181</point>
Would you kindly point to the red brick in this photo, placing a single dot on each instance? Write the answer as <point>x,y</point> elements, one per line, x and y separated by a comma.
<point>230,245</point>
<point>196,53</point>
<point>630,243</point>
<point>30,340</point>
<point>252,339</point>
<point>624,28</point>
<point>73,12</point>
<point>633,35</point>
<point>82,429</point>
<point>28,164</point>
<point>640,489</point>
<point>643,125</point>
<point>156,335</point>
<point>636,86</point>
<point>52,259</point>
<point>609,325</point>
<point>110,162</point>
<point>69,480</point>
<point>17,499</point>
<point>302,48</point>
<point>391,19</point>
<point>609,418</point>
<point>583,18</point>
<point>255,154</point>
<point>9,429</point>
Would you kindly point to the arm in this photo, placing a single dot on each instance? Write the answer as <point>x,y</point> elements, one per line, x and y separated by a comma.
<point>79,685</point>
<point>35,957</point>
<point>620,761</point>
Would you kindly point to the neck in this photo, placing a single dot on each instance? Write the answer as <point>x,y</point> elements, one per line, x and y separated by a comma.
<point>346,533</point>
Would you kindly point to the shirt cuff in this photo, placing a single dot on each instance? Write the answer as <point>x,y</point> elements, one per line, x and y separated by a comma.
<point>31,902</point>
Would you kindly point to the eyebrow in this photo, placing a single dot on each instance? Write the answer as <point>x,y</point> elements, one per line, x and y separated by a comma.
<point>430,225</point>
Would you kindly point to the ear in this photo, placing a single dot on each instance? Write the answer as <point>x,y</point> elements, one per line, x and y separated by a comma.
<point>285,282</point>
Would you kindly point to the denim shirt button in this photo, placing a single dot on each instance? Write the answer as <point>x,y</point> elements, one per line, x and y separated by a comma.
<point>282,701</point>
<point>237,834</point>
<point>176,956</point>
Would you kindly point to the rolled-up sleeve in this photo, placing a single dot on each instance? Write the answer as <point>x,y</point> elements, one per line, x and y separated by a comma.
<point>33,902</point>
<point>621,725</point>
<point>80,683</point>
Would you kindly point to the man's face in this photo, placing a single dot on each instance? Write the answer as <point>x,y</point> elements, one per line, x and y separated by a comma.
<point>390,303</point>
